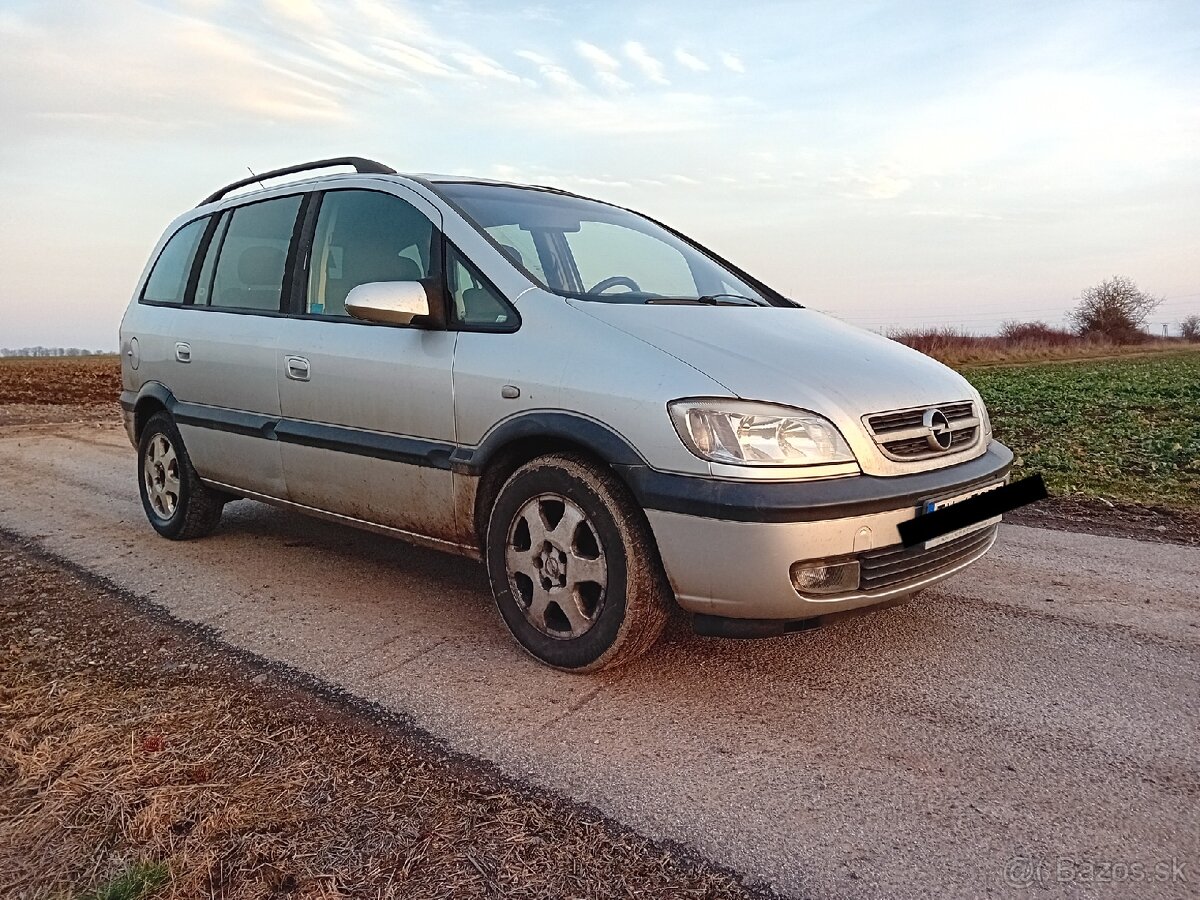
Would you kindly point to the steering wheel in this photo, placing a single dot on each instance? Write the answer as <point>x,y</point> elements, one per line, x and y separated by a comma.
<point>614,281</point>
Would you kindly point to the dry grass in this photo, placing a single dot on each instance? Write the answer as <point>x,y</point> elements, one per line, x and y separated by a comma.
<point>128,742</point>
<point>961,349</point>
<point>59,380</point>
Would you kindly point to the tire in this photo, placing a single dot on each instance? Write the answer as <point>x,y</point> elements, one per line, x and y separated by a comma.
<point>177,503</point>
<point>573,565</point>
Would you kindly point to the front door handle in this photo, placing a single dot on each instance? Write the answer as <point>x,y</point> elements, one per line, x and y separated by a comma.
<point>297,368</point>
<point>183,352</point>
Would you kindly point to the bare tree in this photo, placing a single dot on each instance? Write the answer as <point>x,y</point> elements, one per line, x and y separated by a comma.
<point>1114,309</point>
<point>1190,328</point>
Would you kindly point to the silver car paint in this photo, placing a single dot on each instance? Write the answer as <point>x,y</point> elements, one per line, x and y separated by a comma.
<point>232,365</point>
<point>800,357</point>
<point>751,576</point>
<point>620,365</point>
<point>562,359</point>
<point>391,380</point>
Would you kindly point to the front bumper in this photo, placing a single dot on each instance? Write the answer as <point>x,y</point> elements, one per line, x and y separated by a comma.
<point>738,568</point>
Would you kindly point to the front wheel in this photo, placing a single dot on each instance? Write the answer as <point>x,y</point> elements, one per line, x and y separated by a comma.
<point>177,503</point>
<point>573,566</point>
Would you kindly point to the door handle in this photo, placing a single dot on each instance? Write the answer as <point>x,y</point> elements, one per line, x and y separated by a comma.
<point>183,352</point>
<point>297,368</point>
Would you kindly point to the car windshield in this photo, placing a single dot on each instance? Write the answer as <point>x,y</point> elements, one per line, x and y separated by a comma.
<point>593,251</point>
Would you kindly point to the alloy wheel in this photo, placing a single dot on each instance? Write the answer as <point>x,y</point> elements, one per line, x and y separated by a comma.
<point>557,570</point>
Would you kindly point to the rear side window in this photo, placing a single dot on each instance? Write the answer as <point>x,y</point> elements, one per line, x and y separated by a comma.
<point>363,237</point>
<point>169,278</point>
<point>252,253</point>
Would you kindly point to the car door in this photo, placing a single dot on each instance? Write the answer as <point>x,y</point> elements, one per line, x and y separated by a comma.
<point>223,359</point>
<point>367,409</point>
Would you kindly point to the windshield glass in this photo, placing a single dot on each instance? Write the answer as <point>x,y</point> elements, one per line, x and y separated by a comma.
<point>592,251</point>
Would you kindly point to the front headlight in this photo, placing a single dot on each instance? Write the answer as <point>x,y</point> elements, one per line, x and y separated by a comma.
<point>757,434</point>
<point>985,422</point>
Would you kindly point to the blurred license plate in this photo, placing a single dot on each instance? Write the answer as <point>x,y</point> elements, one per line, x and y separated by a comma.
<point>935,505</point>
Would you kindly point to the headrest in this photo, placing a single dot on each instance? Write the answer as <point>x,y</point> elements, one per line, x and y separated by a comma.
<point>513,253</point>
<point>407,270</point>
<point>261,266</point>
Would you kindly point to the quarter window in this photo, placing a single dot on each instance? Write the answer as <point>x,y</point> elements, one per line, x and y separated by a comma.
<point>252,256</point>
<point>169,278</point>
<point>364,237</point>
<point>476,301</point>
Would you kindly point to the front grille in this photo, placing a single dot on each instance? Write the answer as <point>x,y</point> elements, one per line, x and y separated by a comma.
<point>896,566</point>
<point>901,435</point>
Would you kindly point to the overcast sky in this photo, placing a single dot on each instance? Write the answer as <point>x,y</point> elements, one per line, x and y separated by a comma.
<point>897,164</point>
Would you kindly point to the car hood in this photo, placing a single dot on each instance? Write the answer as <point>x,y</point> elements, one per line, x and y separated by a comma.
<point>797,357</point>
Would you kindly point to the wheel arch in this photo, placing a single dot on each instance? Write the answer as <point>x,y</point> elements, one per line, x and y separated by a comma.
<point>152,398</point>
<point>526,436</point>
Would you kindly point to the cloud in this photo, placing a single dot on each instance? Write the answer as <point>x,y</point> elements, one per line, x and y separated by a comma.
<point>883,183</point>
<point>632,114</point>
<point>352,60</point>
<point>303,13</point>
<point>651,67</point>
<point>414,58</point>
<point>485,67</point>
<point>688,61</point>
<point>550,71</point>
<point>149,73</point>
<point>605,66</point>
<point>541,14</point>
<point>536,58</point>
<point>732,62</point>
<point>600,60</point>
<point>612,81</point>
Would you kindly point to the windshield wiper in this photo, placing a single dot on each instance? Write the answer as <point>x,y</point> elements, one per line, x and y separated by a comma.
<point>707,300</point>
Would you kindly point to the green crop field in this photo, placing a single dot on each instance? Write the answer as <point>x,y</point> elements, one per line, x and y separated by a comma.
<point>1122,429</point>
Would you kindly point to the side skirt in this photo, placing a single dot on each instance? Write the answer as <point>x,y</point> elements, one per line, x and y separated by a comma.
<point>410,536</point>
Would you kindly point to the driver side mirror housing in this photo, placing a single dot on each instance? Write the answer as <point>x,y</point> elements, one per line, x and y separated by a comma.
<point>389,302</point>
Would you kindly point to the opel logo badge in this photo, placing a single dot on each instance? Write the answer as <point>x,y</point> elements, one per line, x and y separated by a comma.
<point>938,426</point>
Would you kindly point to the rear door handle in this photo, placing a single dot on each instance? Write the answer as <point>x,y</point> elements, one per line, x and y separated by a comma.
<point>297,368</point>
<point>183,352</point>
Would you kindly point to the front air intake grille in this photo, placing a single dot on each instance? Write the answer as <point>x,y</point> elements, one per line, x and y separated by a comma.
<point>896,566</point>
<point>903,434</point>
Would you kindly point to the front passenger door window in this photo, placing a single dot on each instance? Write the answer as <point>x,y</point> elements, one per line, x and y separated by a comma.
<point>364,237</point>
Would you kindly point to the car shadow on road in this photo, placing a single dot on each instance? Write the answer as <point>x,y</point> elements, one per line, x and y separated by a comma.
<point>452,590</point>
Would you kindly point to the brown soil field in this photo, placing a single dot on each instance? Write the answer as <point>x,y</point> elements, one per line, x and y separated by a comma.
<point>60,381</point>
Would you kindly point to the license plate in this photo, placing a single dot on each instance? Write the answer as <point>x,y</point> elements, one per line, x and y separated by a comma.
<point>935,505</point>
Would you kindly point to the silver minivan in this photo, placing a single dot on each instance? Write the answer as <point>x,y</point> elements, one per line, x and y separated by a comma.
<point>612,418</point>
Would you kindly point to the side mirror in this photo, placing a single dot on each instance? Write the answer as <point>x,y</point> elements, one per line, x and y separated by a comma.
<point>393,302</point>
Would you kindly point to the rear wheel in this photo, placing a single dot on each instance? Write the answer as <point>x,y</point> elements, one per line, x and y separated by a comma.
<point>177,503</point>
<point>573,566</point>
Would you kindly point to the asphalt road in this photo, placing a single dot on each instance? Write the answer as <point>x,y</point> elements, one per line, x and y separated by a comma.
<point>1035,719</point>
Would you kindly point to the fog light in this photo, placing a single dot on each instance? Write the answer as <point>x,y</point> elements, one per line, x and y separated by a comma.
<point>830,578</point>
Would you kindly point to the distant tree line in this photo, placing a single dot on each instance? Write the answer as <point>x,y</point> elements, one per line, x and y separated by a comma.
<point>49,351</point>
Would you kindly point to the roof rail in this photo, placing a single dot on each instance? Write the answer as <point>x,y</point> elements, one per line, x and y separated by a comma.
<point>362,166</point>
